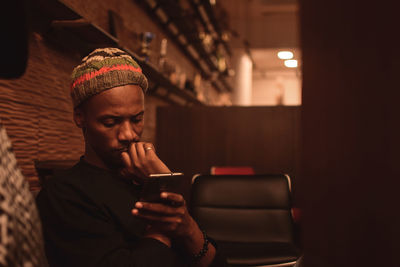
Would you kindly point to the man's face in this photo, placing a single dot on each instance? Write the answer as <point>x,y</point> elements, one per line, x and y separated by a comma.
<point>111,121</point>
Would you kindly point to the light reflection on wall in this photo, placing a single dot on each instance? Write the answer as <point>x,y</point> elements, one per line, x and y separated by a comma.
<point>273,82</point>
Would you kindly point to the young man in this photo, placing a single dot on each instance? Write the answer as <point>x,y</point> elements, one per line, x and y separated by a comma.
<point>91,214</point>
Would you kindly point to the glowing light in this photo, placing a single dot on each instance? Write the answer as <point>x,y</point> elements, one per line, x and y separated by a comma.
<point>285,54</point>
<point>291,63</point>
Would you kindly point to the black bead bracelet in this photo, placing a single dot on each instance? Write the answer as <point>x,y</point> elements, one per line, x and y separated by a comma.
<point>203,251</point>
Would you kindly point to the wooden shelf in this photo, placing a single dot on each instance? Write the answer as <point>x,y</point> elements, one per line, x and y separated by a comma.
<point>185,35</point>
<point>204,11</point>
<point>54,9</point>
<point>173,33</point>
<point>161,81</point>
<point>92,35</point>
<point>72,31</point>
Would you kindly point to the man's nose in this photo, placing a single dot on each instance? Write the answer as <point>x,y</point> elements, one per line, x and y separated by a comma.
<point>127,132</point>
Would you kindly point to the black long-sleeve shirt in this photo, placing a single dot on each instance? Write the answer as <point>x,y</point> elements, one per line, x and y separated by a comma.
<point>87,221</point>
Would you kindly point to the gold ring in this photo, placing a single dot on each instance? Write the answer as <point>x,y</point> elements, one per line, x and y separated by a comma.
<point>148,148</point>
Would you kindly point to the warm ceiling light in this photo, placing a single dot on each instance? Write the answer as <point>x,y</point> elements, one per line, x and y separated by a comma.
<point>285,54</point>
<point>291,63</point>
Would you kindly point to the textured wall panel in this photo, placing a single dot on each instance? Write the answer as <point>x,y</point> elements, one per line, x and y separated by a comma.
<point>37,112</point>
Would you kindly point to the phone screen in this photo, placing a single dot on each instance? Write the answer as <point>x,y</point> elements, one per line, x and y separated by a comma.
<point>153,187</point>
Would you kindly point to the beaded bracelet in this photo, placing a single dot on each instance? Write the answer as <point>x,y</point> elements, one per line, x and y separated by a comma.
<point>203,251</point>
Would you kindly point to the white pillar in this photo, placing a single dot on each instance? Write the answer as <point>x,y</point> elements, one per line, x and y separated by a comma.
<point>242,91</point>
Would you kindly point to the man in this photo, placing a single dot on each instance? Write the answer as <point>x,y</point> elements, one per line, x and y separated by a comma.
<point>91,214</point>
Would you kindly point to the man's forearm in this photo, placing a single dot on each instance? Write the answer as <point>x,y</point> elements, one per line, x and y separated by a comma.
<point>202,251</point>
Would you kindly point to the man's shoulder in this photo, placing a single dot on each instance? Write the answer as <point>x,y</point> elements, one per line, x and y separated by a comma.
<point>70,174</point>
<point>81,177</point>
<point>78,172</point>
<point>77,176</point>
<point>74,181</point>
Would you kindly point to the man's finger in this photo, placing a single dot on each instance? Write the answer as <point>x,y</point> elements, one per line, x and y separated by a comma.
<point>174,198</point>
<point>133,154</point>
<point>149,148</point>
<point>126,159</point>
<point>140,150</point>
<point>162,209</point>
<point>156,218</point>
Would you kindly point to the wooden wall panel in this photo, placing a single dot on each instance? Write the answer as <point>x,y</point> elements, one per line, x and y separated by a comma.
<point>350,136</point>
<point>193,140</point>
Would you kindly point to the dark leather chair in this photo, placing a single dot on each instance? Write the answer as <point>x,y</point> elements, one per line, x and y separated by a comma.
<point>248,215</point>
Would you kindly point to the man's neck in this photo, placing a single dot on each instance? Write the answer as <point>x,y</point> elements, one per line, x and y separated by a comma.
<point>92,158</point>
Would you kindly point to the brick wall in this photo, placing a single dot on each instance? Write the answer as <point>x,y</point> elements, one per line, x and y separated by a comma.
<point>36,109</point>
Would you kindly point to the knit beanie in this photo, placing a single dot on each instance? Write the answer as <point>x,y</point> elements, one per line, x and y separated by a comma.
<point>104,69</point>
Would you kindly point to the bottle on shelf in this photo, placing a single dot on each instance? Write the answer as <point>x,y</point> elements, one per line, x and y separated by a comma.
<point>145,51</point>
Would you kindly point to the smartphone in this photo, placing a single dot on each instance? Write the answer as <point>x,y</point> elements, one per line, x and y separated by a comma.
<point>157,183</point>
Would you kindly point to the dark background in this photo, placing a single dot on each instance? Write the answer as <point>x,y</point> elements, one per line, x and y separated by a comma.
<point>350,136</point>
<point>192,140</point>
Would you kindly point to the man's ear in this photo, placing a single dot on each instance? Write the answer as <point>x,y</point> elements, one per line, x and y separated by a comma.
<point>79,117</point>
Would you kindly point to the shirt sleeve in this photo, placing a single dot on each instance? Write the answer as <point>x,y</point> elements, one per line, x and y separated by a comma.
<point>80,233</point>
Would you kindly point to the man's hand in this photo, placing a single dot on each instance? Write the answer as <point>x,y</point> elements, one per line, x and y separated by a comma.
<point>141,160</point>
<point>154,234</point>
<point>172,219</point>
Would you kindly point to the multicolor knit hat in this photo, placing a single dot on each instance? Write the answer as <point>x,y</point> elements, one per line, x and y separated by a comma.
<point>104,69</point>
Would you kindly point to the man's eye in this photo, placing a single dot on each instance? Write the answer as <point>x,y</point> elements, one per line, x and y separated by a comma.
<point>137,119</point>
<point>109,122</point>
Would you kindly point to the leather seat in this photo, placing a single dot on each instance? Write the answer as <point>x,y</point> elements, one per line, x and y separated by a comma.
<point>248,215</point>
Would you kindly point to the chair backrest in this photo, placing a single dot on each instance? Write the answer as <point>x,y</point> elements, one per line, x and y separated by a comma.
<point>248,215</point>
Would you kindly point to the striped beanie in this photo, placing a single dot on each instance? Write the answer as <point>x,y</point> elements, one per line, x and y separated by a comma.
<point>104,69</point>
